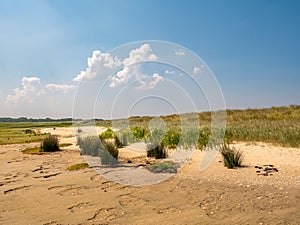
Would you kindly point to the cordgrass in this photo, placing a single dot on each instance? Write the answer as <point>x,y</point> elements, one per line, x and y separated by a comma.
<point>232,158</point>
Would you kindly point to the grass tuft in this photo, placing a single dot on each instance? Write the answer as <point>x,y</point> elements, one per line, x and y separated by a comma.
<point>232,157</point>
<point>156,150</point>
<point>50,144</point>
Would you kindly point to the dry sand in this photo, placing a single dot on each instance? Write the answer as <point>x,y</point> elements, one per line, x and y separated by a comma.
<point>37,189</point>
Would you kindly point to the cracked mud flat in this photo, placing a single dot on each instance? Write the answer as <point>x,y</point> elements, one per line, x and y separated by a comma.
<point>37,189</point>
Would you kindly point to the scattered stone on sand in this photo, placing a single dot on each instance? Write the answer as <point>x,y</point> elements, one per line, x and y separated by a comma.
<point>266,170</point>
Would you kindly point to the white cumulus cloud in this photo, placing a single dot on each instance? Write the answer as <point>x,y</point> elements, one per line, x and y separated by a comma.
<point>128,73</point>
<point>179,52</point>
<point>95,65</point>
<point>151,82</point>
<point>143,53</point>
<point>131,73</point>
<point>31,88</point>
<point>65,88</point>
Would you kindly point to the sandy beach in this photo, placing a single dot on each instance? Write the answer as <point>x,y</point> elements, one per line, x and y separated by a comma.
<point>37,189</point>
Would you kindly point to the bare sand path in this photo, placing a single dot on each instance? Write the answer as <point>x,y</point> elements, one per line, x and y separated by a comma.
<point>37,189</point>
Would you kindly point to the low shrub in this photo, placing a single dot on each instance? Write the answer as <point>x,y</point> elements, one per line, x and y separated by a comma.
<point>126,137</point>
<point>109,153</point>
<point>203,138</point>
<point>157,135</point>
<point>89,145</point>
<point>156,150</point>
<point>232,158</point>
<point>140,133</point>
<point>108,134</point>
<point>29,131</point>
<point>189,138</point>
<point>50,144</point>
<point>172,138</point>
<point>119,143</point>
<point>163,167</point>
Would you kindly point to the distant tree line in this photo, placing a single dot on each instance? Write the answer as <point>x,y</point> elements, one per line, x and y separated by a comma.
<point>25,119</point>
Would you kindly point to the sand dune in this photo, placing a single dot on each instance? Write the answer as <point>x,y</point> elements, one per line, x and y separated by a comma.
<point>37,189</point>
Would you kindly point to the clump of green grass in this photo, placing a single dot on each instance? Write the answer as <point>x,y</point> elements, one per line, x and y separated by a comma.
<point>108,134</point>
<point>89,145</point>
<point>78,166</point>
<point>172,138</point>
<point>105,149</point>
<point>140,132</point>
<point>163,167</point>
<point>156,150</point>
<point>50,144</point>
<point>33,151</point>
<point>232,158</point>
<point>119,143</point>
<point>109,153</point>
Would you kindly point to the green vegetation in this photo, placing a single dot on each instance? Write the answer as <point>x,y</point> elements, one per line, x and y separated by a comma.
<point>25,132</point>
<point>18,136</point>
<point>276,125</point>
<point>108,134</point>
<point>50,144</point>
<point>163,167</point>
<point>139,132</point>
<point>28,120</point>
<point>109,153</point>
<point>78,166</point>
<point>105,149</point>
<point>33,151</point>
<point>89,145</point>
<point>172,138</point>
<point>64,145</point>
<point>119,143</point>
<point>156,150</point>
<point>232,158</point>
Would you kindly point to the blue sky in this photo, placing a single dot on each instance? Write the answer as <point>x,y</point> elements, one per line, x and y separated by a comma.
<point>252,47</point>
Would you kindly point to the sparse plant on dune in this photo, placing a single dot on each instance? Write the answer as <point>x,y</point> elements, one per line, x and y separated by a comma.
<point>78,166</point>
<point>89,145</point>
<point>232,158</point>
<point>105,149</point>
<point>50,144</point>
<point>156,150</point>
<point>109,153</point>
<point>108,134</point>
<point>163,167</point>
